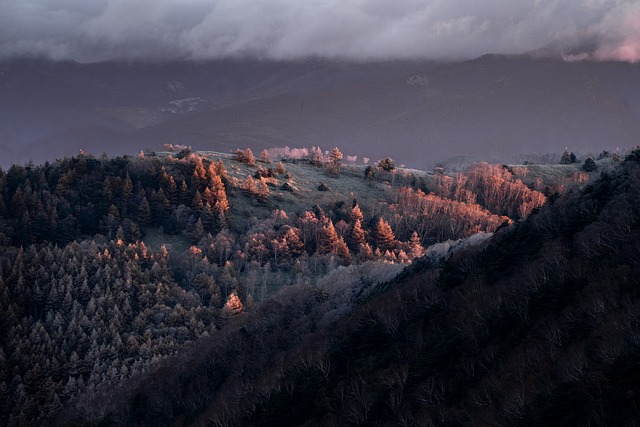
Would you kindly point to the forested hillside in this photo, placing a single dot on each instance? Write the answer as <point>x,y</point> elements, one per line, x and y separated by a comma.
<point>535,326</point>
<point>109,266</point>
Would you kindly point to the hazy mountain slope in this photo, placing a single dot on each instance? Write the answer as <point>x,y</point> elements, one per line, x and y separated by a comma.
<point>49,109</point>
<point>491,105</point>
<point>539,326</point>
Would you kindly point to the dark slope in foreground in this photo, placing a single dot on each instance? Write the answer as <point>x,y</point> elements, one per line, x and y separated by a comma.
<point>540,326</point>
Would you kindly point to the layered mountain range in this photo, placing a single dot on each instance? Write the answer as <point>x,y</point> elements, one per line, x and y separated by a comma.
<point>494,105</point>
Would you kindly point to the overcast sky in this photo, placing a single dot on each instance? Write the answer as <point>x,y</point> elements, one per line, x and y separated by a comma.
<point>94,30</point>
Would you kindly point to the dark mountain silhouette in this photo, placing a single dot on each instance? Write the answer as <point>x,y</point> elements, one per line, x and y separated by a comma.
<point>493,105</point>
<point>537,326</point>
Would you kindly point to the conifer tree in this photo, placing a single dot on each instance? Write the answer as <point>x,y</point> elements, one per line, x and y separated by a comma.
<point>328,239</point>
<point>356,214</point>
<point>334,160</point>
<point>184,196</point>
<point>415,246</point>
<point>356,236</point>
<point>127,195</point>
<point>385,238</point>
<point>197,202</point>
<point>294,243</point>
<point>233,305</point>
<point>172,191</point>
<point>264,157</point>
<point>249,185</point>
<point>219,194</point>
<point>144,212</point>
<point>343,251</point>
<point>263,190</point>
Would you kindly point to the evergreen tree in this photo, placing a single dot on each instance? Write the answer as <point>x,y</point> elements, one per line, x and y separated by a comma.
<point>415,246</point>
<point>127,195</point>
<point>385,238</point>
<point>219,194</point>
<point>328,239</point>
<point>356,214</point>
<point>172,191</point>
<point>294,243</point>
<point>343,251</point>
<point>264,157</point>
<point>184,196</point>
<point>197,202</point>
<point>334,160</point>
<point>589,165</point>
<point>356,236</point>
<point>144,212</point>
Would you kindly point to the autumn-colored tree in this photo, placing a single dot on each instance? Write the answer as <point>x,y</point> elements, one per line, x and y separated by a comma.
<point>415,246</point>
<point>386,164</point>
<point>356,214</point>
<point>317,158</point>
<point>263,190</point>
<point>385,238</point>
<point>343,251</point>
<point>245,156</point>
<point>356,236</point>
<point>172,191</point>
<point>294,243</point>
<point>249,185</point>
<point>334,160</point>
<point>233,305</point>
<point>219,194</point>
<point>264,157</point>
<point>328,239</point>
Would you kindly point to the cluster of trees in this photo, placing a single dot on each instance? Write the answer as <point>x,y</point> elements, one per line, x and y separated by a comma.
<point>88,314</point>
<point>536,326</point>
<point>494,187</point>
<point>84,196</point>
<point>86,304</point>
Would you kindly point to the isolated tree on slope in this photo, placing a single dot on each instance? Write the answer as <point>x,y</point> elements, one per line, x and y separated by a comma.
<point>264,157</point>
<point>386,164</point>
<point>334,160</point>
<point>589,165</point>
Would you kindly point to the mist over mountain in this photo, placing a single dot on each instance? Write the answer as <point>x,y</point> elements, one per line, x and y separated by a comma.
<point>495,105</point>
<point>273,29</point>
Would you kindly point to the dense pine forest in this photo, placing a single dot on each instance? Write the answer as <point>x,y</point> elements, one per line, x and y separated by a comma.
<point>214,289</point>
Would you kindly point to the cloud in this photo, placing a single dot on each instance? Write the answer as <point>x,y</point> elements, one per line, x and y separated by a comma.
<point>203,29</point>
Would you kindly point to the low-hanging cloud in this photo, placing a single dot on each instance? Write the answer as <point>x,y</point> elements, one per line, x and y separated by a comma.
<point>97,30</point>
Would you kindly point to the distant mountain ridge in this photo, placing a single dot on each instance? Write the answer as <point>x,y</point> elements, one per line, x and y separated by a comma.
<point>493,105</point>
